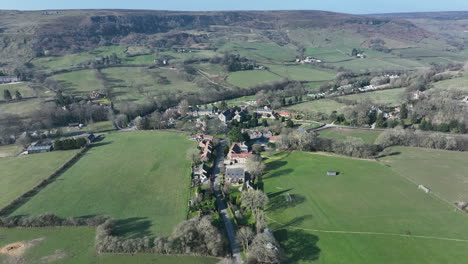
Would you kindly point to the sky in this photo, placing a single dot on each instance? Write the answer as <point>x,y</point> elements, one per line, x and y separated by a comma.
<point>344,6</point>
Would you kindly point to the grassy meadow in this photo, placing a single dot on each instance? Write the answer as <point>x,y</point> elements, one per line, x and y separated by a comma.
<point>20,174</point>
<point>326,106</point>
<point>261,51</point>
<point>245,79</point>
<point>79,82</point>
<point>140,178</point>
<point>366,214</point>
<point>75,245</point>
<point>391,97</point>
<point>302,72</point>
<point>460,83</point>
<point>368,136</point>
<point>444,172</point>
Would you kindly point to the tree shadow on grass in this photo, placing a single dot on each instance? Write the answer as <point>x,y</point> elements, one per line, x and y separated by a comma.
<point>298,245</point>
<point>278,173</point>
<point>383,154</point>
<point>274,165</point>
<point>285,200</point>
<point>99,144</point>
<point>134,227</point>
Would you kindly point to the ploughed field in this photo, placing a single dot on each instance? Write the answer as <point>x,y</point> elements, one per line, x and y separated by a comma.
<point>367,213</point>
<point>142,179</point>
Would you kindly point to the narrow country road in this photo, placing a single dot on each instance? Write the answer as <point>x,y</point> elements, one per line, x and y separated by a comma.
<point>235,248</point>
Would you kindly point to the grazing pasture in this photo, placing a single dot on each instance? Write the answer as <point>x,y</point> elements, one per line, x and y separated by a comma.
<point>23,108</point>
<point>20,174</point>
<point>391,97</point>
<point>444,172</point>
<point>75,245</point>
<point>140,178</point>
<point>460,83</point>
<point>368,136</point>
<point>135,83</point>
<point>261,51</point>
<point>365,214</point>
<point>79,82</point>
<point>302,72</point>
<point>245,79</point>
<point>326,106</point>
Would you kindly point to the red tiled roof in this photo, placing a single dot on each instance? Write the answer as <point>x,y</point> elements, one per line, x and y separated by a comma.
<point>241,155</point>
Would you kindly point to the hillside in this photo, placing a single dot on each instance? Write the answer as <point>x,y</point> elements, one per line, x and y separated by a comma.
<point>26,34</point>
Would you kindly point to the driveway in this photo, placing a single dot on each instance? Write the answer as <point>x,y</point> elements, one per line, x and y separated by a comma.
<point>235,248</point>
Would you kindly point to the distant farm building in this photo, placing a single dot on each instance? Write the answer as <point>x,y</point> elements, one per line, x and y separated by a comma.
<point>332,173</point>
<point>8,79</point>
<point>39,148</point>
<point>424,188</point>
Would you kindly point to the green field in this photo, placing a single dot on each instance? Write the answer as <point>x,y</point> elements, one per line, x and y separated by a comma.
<point>302,72</point>
<point>79,82</point>
<point>444,172</point>
<point>139,178</point>
<point>366,214</point>
<point>368,136</point>
<point>20,174</point>
<point>10,150</point>
<point>260,51</point>
<point>23,108</point>
<point>135,83</point>
<point>460,83</point>
<point>23,87</point>
<point>246,79</point>
<point>392,97</point>
<point>75,245</point>
<point>326,106</point>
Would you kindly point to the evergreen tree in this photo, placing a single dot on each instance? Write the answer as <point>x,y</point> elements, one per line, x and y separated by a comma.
<point>403,111</point>
<point>7,95</point>
<point>18,95</point>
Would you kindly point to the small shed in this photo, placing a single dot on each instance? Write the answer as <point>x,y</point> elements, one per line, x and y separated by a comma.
<point>332,173</point>
<point>424,188</point>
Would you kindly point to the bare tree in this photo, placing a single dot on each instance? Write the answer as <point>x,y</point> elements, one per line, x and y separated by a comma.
<point>265,249</point>
<point>184,107</point>
<point>245,236</point>
<point>260,221</point>
<point>255,167</point>
<point>254,200</point>
<point>227,187</point>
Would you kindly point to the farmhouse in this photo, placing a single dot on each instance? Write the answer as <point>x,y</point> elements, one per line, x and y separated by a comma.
<point>95,95</point>
<point>234,175</point>
<point>284,114</point>
<point>225,116</point>
<point>202,112</point>
<point>239,153</point>
<point>200,173</point>
<point>205,143</point>
<point>265,112</point>
<point>8,79</point>
<point>239,116</point>
<point>258,134</point>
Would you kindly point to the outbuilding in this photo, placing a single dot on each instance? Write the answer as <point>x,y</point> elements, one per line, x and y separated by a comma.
<point>332,173</point>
